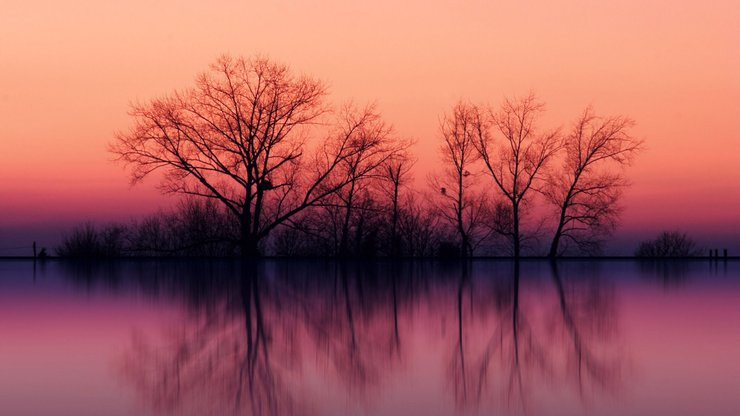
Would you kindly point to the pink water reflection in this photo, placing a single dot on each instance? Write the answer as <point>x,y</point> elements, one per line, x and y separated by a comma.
<point>319,338</point>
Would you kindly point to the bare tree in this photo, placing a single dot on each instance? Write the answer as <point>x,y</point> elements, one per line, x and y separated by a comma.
<point>515,154</point>
<point>587,188</point>
<point>418,227</point>
<point>462,206</point>
<point>396,171</point>
<point>239,136</point>
<point>373,145</point>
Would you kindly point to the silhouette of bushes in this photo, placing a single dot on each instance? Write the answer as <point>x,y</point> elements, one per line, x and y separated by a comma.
<point>193,228</point>
<point>668,244</point>
<point>88,241</point>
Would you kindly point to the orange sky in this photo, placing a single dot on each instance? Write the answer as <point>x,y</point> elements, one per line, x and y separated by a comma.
<point>69,69</point>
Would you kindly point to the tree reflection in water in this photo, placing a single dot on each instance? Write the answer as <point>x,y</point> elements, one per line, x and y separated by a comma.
<point>588,320</point>
<point>228,357</point>
<point>504,355</point>
<point>281,338</point>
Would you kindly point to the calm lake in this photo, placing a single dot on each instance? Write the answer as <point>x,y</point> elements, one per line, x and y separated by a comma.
<point>369,338</point>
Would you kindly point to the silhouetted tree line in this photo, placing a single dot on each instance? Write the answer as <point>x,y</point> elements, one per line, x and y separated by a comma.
<point>194,227</point>
<point>271,168</point>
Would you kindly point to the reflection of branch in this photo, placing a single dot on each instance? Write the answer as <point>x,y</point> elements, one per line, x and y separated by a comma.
<point>516,371</point>
<point>588,364</point>
<point>212,368</point>
<point>352,327</point>
<point>396,333</point>
<point>256,343</point>
<point>458,360</point>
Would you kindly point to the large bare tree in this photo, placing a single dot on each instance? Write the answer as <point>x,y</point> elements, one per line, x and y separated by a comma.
<point>587,188</point>
<point>515,154</point>
<point>239,136</point>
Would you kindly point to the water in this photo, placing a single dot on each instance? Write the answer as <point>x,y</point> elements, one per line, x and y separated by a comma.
<point>325,338</point>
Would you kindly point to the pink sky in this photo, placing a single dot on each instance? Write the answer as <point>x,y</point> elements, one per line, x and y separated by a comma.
<point>68,71</point>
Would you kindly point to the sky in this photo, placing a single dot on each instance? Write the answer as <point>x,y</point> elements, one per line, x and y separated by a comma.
<point>69,71</point>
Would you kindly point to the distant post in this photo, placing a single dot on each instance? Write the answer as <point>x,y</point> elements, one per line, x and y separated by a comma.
<point>725,253</point>
<point>34,249</point>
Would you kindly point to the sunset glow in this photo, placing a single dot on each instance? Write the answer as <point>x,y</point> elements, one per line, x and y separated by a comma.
<point>68,71</point>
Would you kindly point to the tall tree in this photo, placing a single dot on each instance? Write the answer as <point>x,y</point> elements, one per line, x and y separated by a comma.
<point>515,154</point>
<point>463,207</point>
<point>587,188</point>
<point>239,136</point>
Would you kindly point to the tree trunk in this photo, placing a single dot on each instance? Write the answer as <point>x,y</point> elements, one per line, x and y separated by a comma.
<point>464,239</point>
<point>394,222</point>
<point>555,242</point>
<point>558,233</point>
<point>344,238</point>
<point>248,241</point>
<point>517,238</point>
<point>561,222</point>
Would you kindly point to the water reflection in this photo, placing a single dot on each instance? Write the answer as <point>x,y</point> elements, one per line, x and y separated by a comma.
<point>279,338</point>
<point>588,318</point>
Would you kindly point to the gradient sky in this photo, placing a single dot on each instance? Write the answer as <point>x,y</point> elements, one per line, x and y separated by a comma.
<point>68,71</point>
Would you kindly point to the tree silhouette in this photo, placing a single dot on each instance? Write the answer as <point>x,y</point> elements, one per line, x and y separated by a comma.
<point>462,206</point>
<point>585,190</point>
<point>294,177</point>
<point>373,147</point>
<point>515,154</point>
<point>396,171</point>
<point>239,136</point>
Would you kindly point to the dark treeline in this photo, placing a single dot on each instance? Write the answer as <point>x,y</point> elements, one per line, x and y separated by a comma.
<point>197,228</point>
<point>269,167</point>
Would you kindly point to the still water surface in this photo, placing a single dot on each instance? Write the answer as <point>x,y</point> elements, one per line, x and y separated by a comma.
<point>407,338</point>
